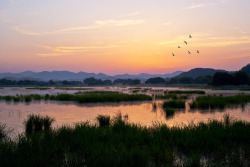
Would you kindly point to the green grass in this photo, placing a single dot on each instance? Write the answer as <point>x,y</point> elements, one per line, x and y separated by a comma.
<point>186,92</point>
<point>103,120</point>
<point>37,123</point>
<point>4,131</point>
<point>169,111</point>
<point>219,102</point>
<point>174,104</point>
<point>221,143</point>
<point>87,97</point>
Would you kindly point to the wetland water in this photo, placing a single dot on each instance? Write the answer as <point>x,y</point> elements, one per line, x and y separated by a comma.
<point>69,113</point>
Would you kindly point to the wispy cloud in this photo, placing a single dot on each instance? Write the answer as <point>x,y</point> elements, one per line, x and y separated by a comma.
<point>195,6</point>
<point>25,31</point>
<point>97,24</point>
<point>64,50</point>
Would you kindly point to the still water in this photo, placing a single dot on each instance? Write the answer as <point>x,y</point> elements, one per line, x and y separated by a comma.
<point>69,113</point>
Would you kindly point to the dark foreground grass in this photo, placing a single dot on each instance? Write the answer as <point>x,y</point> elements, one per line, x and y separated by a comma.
<point>219,102</point>
<point>221,143</point>
<point>88,97</point>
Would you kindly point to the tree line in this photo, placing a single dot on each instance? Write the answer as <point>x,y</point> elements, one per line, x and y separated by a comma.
<point>218,79</point>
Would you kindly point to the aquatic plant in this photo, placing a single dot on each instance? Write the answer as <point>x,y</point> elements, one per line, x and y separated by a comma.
<point>219,102</point>
<point>37,123</point>
<point>103,120</point>
<point>174,104</point>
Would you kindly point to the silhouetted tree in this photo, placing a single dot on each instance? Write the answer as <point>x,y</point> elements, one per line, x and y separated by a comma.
<point>222,78</point>
<point>92,81</point>
<point>173,81</point>
<point>186,80</point>
<point>241,78</point>
<point>203,79</point>
<point>156,80</point>
<point>107,82</point>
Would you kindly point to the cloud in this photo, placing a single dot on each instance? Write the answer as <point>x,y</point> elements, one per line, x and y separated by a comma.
<point>195,6</point>
<point>25,31</point>
<point>62,50</point>
<point>97,24</point>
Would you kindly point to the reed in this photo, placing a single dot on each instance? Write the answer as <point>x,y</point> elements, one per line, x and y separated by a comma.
<point>219,102</point>
<point>123,144</point>
<point>174,104</point>
<point>103,120</point>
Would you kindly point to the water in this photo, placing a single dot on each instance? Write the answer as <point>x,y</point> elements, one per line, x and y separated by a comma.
<point>69,113</point>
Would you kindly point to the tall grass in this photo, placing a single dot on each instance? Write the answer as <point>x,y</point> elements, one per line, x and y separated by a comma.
<point>103,120</point>
<point>37,123</point>
<point>4,131</point>
<point>174,104</point>
<point>99,96</point>
<point>219,102</point>
<point>123,144</point>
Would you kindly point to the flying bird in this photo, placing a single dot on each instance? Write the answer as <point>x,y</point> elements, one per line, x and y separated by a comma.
<point>189,52</point>
<point>190,36</point>
<point>179,47</point>
<point>185,42</point>
<point>173,54</point>
<point>198,51</point>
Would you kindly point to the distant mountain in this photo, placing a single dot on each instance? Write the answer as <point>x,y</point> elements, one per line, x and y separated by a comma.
<point>246,69</point>
<point>147,76</point>
<point>196,72</point>
<point>80,76</point>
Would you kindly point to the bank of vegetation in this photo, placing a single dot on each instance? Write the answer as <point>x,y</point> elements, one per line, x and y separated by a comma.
<point>86,97</point>
<point>115,142</point>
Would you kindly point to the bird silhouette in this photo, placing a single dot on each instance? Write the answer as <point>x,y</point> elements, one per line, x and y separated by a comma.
<point>198,51</point>
<point>189,52</point>
<point>190,36</point>
<point>185,42</point>
<point>179,47</point>
<point>173,54</point>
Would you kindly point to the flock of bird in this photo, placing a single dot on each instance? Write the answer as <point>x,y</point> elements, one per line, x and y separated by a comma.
<point>186,44</point>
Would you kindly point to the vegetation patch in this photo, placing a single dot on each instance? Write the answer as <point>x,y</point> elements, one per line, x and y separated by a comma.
<point>219,102</point>
<point>174,104</point>
<point>221,143</point>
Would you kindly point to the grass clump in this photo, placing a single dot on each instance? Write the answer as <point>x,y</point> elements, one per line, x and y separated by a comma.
<point>103,120</point>
<point>4,131</point>
<point>219,102</point>
<point>169,111</point>
<point>174,104</point>
<point>37,123</point>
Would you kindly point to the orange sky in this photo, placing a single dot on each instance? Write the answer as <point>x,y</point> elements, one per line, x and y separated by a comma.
<point>117,37</point>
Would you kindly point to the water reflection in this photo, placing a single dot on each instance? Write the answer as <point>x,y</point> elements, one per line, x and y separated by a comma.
<point>144,113</point>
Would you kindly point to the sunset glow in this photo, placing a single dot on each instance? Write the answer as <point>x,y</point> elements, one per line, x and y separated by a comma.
<point>115,37</point>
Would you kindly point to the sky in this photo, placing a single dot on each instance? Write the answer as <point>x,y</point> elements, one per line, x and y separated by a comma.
<point>123,36</point>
